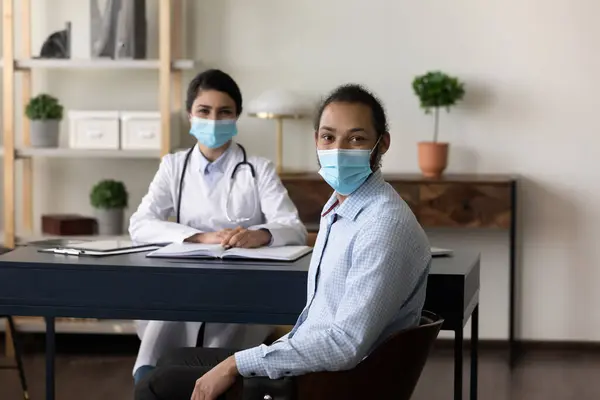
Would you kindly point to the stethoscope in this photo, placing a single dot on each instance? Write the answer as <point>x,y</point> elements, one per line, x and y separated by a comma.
<point>231,180</point>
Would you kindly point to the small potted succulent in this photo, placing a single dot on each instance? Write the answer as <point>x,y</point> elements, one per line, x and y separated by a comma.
<point>45,113</point>
<point>436,90</point>
<point>109,198</point>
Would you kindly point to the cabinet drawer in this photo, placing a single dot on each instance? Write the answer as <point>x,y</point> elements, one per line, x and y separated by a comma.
<point>93,130</point>
<point>465,205</point>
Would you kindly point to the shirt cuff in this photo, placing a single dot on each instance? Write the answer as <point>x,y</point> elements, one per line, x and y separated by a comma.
<point>184,234</point>
<point>250,362</point>
<point>270,234</point>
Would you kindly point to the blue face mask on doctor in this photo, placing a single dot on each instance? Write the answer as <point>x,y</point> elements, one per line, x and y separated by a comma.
<point>345,170</point>
<point>213,133</point>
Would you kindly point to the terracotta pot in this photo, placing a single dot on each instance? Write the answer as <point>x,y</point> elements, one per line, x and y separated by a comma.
<point>433,158</point>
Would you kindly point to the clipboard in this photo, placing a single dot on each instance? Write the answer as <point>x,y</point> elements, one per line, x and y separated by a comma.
<point>101,248</point>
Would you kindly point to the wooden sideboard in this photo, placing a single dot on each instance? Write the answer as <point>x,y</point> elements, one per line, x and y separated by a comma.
<point>453,201</point>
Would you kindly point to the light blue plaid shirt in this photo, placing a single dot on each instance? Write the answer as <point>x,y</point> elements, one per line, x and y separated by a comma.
<point>366,280</point>
<point>214,170</point>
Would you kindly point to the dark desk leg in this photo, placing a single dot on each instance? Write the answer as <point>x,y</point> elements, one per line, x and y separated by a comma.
<point>474,346</point>
<point>458,363</point>
<point>50,353</point>
<point>18,355</point>
<point>512,342</point>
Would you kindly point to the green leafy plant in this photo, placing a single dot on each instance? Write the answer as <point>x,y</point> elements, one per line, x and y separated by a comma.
<point>44,107</point>
<point>109,194</point>
<point>435,90</point>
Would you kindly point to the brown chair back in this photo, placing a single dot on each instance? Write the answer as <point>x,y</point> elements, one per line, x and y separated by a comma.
<point>391,371</point>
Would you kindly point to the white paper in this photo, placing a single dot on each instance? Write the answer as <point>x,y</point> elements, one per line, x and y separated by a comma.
<point>177,250</point>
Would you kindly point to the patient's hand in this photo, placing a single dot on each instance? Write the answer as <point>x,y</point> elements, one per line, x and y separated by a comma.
<point>216,381</point>
<point>245,238</point>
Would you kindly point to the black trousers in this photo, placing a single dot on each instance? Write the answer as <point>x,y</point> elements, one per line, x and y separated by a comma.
<point>176,373</point>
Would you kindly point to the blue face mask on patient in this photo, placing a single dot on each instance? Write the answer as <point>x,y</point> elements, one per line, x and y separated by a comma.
<point>213,133</point>
<point>345,170</point>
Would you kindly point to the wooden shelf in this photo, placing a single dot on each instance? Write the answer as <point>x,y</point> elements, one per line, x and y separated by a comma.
<point>32,237</point>
<point>64,152</point>
<point>26,238</point>
<point>73,325</point>
<point>99,63</point>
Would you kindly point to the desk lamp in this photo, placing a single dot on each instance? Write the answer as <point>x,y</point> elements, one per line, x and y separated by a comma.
<point>278,104</point>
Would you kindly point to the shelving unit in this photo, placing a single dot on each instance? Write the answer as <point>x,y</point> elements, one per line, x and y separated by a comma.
<point>169,66</point>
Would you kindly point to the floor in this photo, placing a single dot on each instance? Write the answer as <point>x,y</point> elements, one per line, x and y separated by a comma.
<point>86,370</point>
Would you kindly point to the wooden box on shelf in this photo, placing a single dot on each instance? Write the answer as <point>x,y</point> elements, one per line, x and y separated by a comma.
<point>68,225</point>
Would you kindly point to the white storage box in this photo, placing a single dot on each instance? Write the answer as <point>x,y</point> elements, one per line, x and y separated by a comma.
<point>94,129</point>
<point>141,130</point>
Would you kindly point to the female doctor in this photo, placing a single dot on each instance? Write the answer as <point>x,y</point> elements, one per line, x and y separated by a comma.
<point>218,195</point>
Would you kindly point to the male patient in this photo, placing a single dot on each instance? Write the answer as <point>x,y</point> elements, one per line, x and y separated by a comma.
<point>367,275</point>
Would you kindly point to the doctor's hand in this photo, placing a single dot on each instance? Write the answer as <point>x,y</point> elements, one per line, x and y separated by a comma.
<point>216,381</point>
<point>209,237</point>
<point>245,238</point>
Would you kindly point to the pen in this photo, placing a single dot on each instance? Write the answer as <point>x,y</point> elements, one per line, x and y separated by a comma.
<point>67,252</point>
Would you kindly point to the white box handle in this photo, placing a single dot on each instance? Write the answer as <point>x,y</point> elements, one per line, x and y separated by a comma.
<point>94,134</point>
<point>146,134</point>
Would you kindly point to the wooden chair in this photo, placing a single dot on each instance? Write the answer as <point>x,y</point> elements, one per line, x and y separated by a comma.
<point>391,371</point>
<point>18,354</point>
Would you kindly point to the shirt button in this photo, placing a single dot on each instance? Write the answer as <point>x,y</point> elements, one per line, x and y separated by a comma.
<point>287,372</point>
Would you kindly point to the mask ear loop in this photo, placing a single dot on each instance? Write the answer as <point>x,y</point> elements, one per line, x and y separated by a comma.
<point>376,144</point>
<point>372,150</point>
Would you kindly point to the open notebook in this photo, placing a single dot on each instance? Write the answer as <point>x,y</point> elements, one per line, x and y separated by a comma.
<point>197,250</point>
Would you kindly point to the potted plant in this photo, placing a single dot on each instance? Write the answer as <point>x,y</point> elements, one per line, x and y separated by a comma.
<point>109,198</point>
<point>45,113</point>
<point>435,90</point>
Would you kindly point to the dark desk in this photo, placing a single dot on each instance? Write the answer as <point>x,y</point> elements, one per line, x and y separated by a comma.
<point>134,287</point>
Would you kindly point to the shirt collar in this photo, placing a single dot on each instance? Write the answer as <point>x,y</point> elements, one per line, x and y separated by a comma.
<point>358,200</point>
<point>204,165</point>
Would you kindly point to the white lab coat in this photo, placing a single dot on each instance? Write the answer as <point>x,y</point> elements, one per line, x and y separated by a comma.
<point>203,210</point>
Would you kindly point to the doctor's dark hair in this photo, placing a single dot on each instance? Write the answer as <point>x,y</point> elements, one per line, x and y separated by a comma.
<point>353,93</point>
<point>214,79</point>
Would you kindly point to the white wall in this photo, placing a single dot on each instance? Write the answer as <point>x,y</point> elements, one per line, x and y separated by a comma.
<point>531,72</point>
